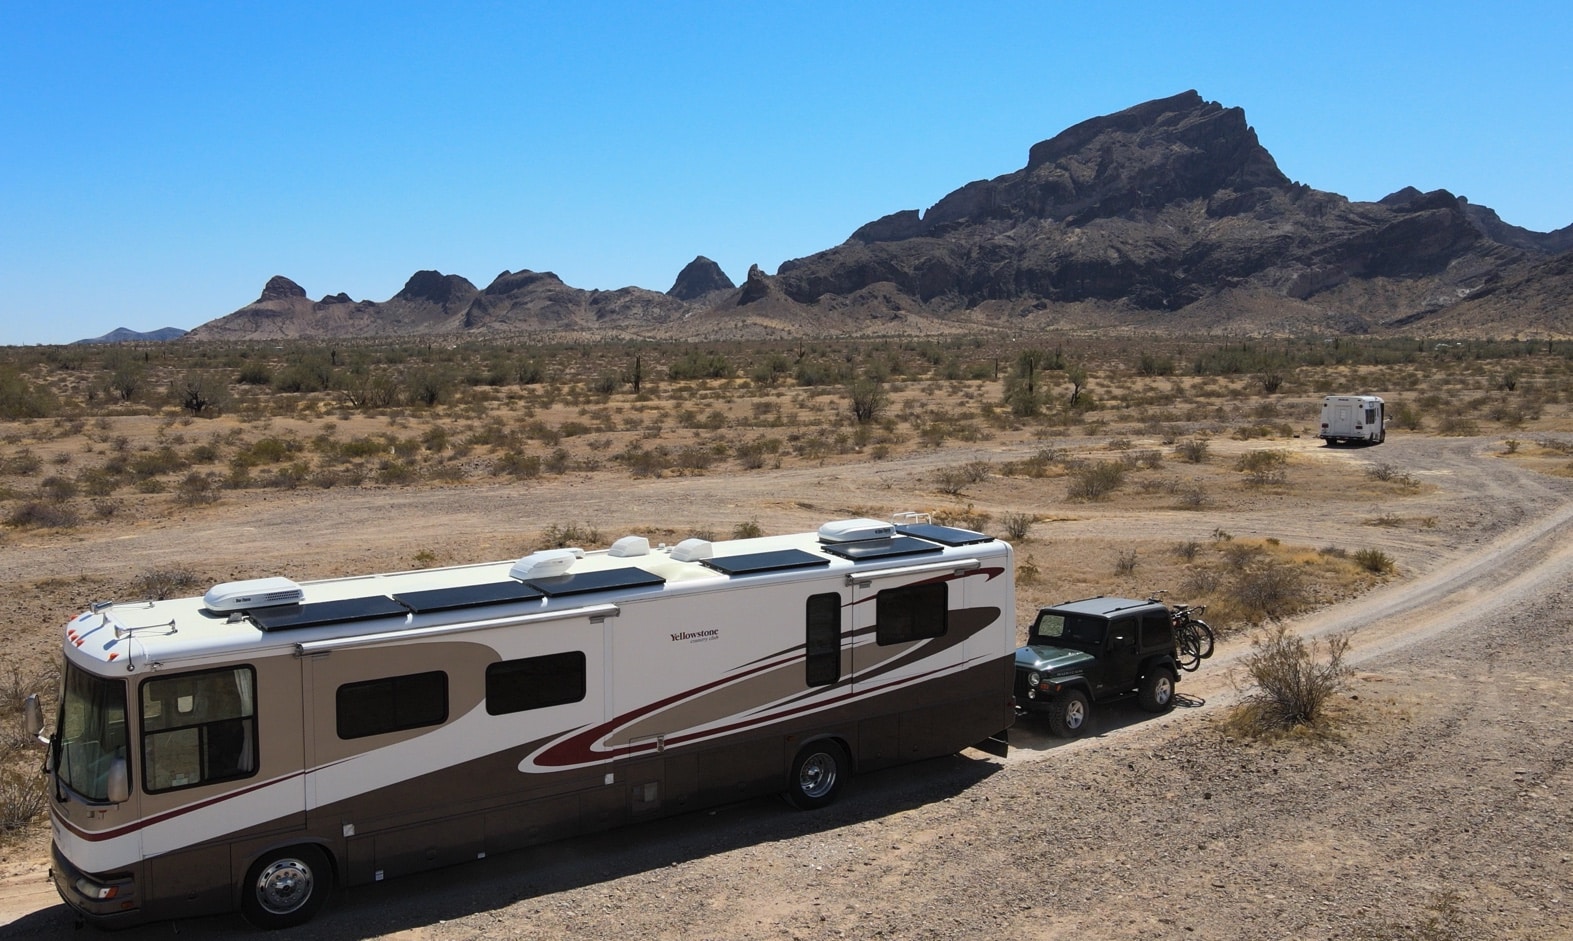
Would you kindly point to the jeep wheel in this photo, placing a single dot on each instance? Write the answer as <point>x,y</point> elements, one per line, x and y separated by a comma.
<point>1157,690</point>
<point>1069,713</point>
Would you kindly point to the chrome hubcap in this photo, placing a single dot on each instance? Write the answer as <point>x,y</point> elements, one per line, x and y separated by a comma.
<point>817,776</point>
<point>284,886</point>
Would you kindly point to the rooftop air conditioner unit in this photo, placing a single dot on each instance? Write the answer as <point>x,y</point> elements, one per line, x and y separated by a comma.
<point>253,593</point>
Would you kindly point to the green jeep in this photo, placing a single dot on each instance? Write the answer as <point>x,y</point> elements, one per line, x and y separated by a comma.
<point>1095,651</point>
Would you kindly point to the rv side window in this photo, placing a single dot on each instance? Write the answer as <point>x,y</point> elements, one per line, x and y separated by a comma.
<point>822,641</point>
<point>198,728</point>
<point>911,612</point>
<point>392,704</point>
<point>1370,416</point>
<point>535,682</point>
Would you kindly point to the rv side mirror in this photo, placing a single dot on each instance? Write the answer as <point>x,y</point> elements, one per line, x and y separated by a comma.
<point>119,784</point>
<point>33,719</point>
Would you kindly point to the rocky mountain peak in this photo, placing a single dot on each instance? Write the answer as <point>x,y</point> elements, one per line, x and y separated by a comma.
<point>435,287</point>
<point>280,288</point>
<point>698,278</point>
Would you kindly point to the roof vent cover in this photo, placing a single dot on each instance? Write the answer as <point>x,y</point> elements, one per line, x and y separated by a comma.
<point>855,530</point>
<point>545,563</point>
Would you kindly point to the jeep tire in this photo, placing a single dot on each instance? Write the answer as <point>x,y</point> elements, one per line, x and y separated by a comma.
<point>1069,713</point>
<point>1156,693</point>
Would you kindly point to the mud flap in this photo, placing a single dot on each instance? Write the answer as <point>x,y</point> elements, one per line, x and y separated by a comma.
<point>997,744</point>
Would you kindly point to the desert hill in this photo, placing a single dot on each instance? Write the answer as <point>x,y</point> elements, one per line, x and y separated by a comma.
<point>1169,215</point>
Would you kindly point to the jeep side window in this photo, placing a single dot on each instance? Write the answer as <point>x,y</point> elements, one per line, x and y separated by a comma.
<point>1157,630</point>
<point>1122,634</point>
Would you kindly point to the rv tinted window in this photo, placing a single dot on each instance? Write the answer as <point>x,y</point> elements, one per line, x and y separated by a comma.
<point>198,728</point>
<point>822,641</point>
<point>535,682</point>
<point>910,613</point>
<point>392,704</point>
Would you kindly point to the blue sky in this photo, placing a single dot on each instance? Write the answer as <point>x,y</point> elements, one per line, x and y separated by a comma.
<point>160,161</point>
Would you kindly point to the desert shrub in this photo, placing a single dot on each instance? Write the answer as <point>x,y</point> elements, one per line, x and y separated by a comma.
<point>1186,551</point>
<point>1389,473</point>
<point>1291,681</point>
<point>23,797</point>
<point>700,364</point>
<point>1268,591</point>
<point>518,464</point>
<point>747,530</point>
<point>868,399</point>
<point>1125,563</point>
<point>39,514</point>
<point>254,374</point>
<point>395,472</point>
<point>166,460</point>
<point>1096,480</point>
<point>1193,450</point>
<point>1374,560</point>
<point>1403,415</point>
<point>161,583</point>
<point>196,489</point>
<point>1193,498</point>
<point>19,398</point>
<point>57,489</point>
<point>428,387</point>
<point>23,463</point>
<point>200,393</point>
<point>570,534</point>
<point>1264,466</point>
<point>1017,525</point>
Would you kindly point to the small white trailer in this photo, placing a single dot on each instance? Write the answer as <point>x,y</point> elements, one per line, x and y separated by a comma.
<point>258,745</point>
<point>1353,418</point>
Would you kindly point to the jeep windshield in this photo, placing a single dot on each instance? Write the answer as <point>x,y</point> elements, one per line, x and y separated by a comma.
<point>1068,630</point>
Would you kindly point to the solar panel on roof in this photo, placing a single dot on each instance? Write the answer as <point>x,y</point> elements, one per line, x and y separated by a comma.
<point>466,596</point>
<point>318,614</point>
<point>944,535</point>
<point>605,580</point>
<point>883,548</point>
<point>753,563</point>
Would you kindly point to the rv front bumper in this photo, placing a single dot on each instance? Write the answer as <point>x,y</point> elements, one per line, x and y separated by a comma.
<point>106,901</point>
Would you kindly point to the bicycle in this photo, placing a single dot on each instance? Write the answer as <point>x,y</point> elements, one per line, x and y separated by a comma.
<point>1192,635</point>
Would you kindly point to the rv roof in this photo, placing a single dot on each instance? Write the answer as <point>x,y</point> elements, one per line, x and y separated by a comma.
<point>186,628</point>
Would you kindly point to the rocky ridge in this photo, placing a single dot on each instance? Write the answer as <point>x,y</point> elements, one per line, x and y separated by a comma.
<point>1169,215</point>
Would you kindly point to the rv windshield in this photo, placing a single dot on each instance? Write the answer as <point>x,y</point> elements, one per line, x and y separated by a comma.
<point>92,732</point>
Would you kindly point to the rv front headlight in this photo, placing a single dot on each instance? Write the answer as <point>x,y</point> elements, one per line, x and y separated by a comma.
<point>1032,679</point>
<point>93,890</point>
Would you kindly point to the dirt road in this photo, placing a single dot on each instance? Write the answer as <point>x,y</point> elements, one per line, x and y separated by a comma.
<point>1443,807</point>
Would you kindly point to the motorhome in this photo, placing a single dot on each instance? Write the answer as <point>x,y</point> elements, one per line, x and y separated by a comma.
<point>1353,418</point>
<point>259,745</point>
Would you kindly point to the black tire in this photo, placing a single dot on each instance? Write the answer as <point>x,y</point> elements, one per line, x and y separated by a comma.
<point>817,774</point>
<point>1070,713</point>
<point>1204,638</point>
<point>285,888</point>
<point>1156,693</point>
<point>1188,643</point>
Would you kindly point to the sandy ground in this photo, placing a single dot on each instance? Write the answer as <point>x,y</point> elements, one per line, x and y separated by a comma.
<point>1440,810</point>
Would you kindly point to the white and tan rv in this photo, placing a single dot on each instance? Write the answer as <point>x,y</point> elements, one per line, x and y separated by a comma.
<point>255,747</point>
<point>1353,418</point>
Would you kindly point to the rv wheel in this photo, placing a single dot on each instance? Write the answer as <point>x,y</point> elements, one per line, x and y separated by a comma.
<point>286,887</point>
<point>816,775</point>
